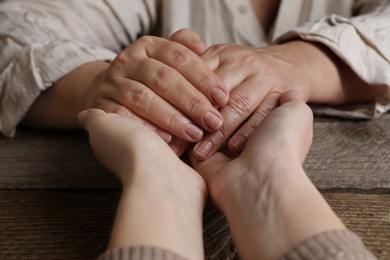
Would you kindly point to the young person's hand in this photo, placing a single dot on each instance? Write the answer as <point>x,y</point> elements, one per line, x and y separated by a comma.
<point>282,139</point>
<point>270,203</point>
<point>123,145</point>
<point>162,199</point>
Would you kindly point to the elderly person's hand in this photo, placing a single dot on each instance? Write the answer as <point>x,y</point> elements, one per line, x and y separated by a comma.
<point>268,200</point>
<point>161,194</point>
<point>257,77</point>
<point>159,82</point>
<point>165,85</point>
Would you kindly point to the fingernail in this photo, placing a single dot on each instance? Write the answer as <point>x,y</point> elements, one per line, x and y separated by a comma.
<point>218,95</point>
<point>203,149</point>
<point>193,131</point>
<point>238,143</point>
<point>212,120</point>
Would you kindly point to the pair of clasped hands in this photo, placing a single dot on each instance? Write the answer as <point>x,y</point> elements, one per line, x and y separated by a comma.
<point>163,198</point>
<point>186,93</point>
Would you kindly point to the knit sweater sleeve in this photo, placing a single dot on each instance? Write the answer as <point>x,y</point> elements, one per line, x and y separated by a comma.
<point>337,244</point>
<point>140,252</point>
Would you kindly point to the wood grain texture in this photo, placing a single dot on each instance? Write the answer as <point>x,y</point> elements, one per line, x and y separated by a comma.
<point>345,154</point>
<point>368,216</point>
<point>54,225</point>
<point>51,160</point>
<point>75,225</point>
<point>350,154</point>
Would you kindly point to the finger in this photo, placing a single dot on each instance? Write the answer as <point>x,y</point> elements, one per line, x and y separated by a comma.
<point>223,67</point>
<point>192,68</point>
<point>84,117</point>
<point>241,105</point>
<point>189,39</point>
<point>179,146</point>
<point>152,108</point>
<point>239,139</point>
<point>169,85</point>
<point>207,167</point>
<point>304,129</point>
<point>212,58</point>
<point>110,106</point>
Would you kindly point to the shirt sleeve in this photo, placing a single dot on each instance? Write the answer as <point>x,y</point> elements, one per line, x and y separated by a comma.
<point>361,41</point>
<point>337,244</point>
<point>41,41</point>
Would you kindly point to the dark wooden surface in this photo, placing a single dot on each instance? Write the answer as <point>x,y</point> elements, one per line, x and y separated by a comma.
<point>58,202</point>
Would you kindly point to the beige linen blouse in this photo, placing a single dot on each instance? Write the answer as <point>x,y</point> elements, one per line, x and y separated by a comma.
<point>43,40</point>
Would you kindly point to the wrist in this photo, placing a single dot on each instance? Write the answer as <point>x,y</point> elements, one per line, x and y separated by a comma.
<point>269,177</point>
<point>181,185</point>
<point>316,63</point>
<point>59,106</point>
<point>329,80</point>
<point>147,216</point>
<point>284,211</point>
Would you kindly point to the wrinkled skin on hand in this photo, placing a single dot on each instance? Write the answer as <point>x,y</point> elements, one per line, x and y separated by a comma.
<point>164,85</point>
<point>261,76</point>
<point>283,138</point>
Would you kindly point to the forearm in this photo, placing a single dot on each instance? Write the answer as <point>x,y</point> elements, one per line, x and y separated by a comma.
<point>160,219</point>
<point>283,213</point>
<point>59,105</point>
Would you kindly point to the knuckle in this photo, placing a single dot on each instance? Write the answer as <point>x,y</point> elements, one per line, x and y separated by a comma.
<point>241,104</point>
<point>122,58</point>
<point>174,120</point>
<point>165,78</point>
<point>196,103</point>
<point>249,129</point>
<point>141,98</point>
<point>247,58</point>
<point>146,39</point>
<point>264,111</point>
<point>207,78</point>
<point>182,56</point>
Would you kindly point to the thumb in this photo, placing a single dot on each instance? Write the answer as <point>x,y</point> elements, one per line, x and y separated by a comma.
<point>85,117</point>
<point>207,167</point>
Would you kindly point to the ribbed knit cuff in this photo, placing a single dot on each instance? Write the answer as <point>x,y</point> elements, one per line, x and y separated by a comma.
<point>337,244</point>
<point>140,252</point>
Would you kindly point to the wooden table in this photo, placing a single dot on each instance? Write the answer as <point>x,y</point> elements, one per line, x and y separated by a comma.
<point>58,202</point>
